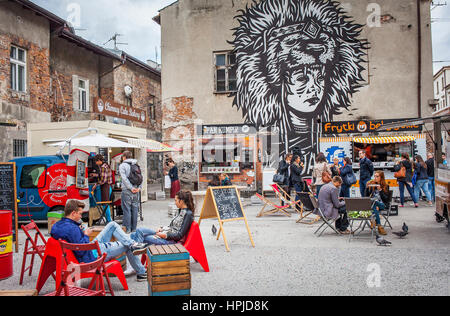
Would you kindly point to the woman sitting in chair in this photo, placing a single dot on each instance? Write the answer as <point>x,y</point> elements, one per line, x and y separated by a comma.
<point>378,190</point>
<point>178,228</point>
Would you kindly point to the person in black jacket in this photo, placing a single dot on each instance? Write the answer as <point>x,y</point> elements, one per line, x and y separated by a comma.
<point>405,181</point>
<point>420,168</point>
<point>178,228</point>
<point>365,171</point>
<point>378,190</point>
<point>296,175</point>
<point>430,172</point>
<point>284,170</point>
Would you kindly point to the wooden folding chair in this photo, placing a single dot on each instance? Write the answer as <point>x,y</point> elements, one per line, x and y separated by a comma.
<point>275,208</point>
<point>285,198</point>
<point>307,208</point>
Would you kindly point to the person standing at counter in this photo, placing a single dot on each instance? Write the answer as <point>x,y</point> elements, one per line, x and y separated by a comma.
<point>365,171</point>
<point>130,191</point>
<point>405,180</point>
<point>105,181</point>
<point>175,186</point>
<point>225,180</point>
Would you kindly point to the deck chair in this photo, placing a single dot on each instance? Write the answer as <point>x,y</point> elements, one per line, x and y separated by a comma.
<point>286,198</point>
<point>358,205</point>
<point>327,222</point>
<point>275,208</point>
<point>306,208</point>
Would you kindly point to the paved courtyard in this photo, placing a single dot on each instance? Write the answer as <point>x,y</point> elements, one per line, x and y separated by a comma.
<point>289,260</point>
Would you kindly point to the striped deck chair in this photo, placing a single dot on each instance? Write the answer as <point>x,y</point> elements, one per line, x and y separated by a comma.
<point>275,208</point>
<point>285,198</point>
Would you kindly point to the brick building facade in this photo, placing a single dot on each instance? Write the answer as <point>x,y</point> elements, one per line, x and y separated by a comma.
<point>49,74</point>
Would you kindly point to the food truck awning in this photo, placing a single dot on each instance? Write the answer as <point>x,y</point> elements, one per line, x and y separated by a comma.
<point>384,139</point>
<point>94,140</point>
<point>417,121</point>
<point>151,145</point>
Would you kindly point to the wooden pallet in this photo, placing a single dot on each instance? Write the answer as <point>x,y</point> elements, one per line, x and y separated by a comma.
<point>168,270</point>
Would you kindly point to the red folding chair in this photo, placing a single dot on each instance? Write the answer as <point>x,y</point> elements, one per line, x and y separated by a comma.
<point>69,257</point>
<point>32,247</point>
<point>54,261</point>
<point>72,272</point>
<point>194,245</point>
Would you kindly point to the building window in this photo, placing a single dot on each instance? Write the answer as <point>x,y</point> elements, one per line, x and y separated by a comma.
<point>152,109</point>
<point>19,148</point>
<point>18,59</point>
<point>225,72</point>
<point>83,95</point>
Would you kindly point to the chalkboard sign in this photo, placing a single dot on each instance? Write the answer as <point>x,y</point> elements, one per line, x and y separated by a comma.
<point>81,175</point>
<point>8,193</point>
<point>224,204</point>
<point>228,203</point>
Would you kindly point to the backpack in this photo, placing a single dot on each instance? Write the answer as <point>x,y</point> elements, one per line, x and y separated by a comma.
<point>135,176</point>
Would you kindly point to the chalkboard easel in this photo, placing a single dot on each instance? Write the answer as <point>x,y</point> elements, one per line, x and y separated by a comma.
<point>224,203</point>
<point>8,194</point>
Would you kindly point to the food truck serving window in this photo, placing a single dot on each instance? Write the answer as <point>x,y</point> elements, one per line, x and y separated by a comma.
<point>387,148</point>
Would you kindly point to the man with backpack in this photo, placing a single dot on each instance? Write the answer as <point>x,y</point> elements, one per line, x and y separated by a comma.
<point>131,176</point>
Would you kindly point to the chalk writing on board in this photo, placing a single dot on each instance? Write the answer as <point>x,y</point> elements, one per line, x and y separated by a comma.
<point>228,204</point>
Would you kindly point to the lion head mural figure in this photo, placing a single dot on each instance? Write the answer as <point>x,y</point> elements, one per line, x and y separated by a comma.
<point>298,62</point>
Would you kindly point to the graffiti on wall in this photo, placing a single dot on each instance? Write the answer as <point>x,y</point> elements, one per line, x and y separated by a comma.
<point>298,63</point>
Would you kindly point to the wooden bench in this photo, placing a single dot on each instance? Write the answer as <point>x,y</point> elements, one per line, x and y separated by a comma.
<point>19,293</point>
<point>168,270</point>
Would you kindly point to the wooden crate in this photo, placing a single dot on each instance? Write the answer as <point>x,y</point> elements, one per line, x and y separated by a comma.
<point>168,270</point>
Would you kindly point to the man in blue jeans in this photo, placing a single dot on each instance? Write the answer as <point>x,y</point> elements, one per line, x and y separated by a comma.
<point>70,230</point>
<point>430,172</point>
<point>130,193</point>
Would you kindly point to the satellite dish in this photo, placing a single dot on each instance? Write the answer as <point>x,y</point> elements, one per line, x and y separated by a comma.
<point>128,91</point>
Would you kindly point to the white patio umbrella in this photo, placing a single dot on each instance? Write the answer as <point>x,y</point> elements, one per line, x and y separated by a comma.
<point>94,140</point>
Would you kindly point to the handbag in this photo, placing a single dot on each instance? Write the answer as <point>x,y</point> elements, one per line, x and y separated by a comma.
<point>401,173</point>
<point>326,177</point>
<point>350,179</point>
<point>278,178</point>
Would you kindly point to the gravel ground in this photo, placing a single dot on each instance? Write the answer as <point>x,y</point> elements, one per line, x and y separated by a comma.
<point>289,260</point>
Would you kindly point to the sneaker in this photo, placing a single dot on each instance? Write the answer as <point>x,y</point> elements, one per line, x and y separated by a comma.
<point>416,205</point>
<point>400,205</point>
<point>138,248</point>
<point>129,271</point>
<point>141,277</point>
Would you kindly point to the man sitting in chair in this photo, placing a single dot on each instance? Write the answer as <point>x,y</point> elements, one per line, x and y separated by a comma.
<point>332,206</point>
<point>70,230</point>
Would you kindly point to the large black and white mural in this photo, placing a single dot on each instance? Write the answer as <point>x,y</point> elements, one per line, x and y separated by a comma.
<point>298,62</point>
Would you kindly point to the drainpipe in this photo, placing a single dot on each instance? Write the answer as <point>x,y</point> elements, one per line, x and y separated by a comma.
<point>419,44</point>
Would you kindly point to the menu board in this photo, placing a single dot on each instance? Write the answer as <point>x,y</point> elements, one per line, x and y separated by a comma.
<point>224,204</point>
<point>81,175</point>
<point>228,203</point>
<point>8,193</point>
